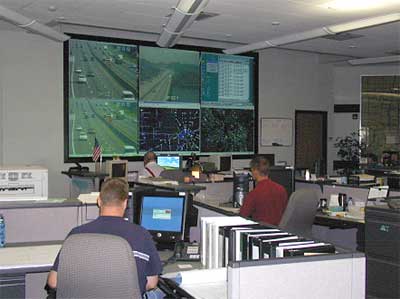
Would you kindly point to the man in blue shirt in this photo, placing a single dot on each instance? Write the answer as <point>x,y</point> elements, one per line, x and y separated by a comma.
<point>112,202</point>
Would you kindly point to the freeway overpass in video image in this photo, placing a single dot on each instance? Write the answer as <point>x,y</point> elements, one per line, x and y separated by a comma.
<point>102,98</point>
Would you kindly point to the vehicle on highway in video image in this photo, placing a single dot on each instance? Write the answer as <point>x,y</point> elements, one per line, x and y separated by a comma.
<point>78,71</point>
<point>90,74</point>
<point>91,131</point>
<point>128,95</point>
<point>82,79</point>
<point>129,150</point>
<point>78,128</point>
<point>83,136</point>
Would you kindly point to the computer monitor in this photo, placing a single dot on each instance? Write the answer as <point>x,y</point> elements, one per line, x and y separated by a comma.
<point>221,162</point>
<point>283,176</point>
<point>162,213</point>
<point>170,162</point>
<point>117,168</point>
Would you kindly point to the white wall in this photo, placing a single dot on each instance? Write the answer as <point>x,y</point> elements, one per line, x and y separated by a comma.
<point>289,81</point>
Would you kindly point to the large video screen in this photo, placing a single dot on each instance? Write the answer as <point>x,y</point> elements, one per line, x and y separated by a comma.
<point>226,80</point>
<point>132,98</point>
<point>169,130</point>
<point>168,75</point>
<point>103,96</point>
<point>227,130</point>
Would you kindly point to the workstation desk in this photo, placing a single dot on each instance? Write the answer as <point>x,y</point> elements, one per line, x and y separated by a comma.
<point>24,268</point>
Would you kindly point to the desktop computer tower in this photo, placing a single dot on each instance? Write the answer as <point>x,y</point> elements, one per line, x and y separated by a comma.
<point>382,249</point>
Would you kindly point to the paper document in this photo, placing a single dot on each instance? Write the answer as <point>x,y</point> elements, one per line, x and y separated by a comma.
<point>89,197</point>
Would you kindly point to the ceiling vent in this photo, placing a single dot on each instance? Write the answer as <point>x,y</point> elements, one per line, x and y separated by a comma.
<point>340,37</point>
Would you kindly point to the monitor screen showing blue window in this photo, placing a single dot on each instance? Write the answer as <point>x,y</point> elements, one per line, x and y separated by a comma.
<point>162,213</point>
<point>169,162</point>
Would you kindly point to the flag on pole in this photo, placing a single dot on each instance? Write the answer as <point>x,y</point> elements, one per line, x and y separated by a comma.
<point>96,150</point>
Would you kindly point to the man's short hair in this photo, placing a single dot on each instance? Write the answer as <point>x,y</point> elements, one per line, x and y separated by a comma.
<point>149,156</point>
<point>261,164</point>
<point>114,191</point>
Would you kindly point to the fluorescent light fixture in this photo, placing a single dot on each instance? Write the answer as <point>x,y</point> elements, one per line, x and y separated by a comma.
<point>315,33</point>
<point>364,23</point>
<point>349,5</point>
<point>375,60</point>
<point>183,16</point>
<point>31,25</point>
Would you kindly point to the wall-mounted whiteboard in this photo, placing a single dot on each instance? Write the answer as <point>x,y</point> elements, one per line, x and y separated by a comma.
<point>276,131</point>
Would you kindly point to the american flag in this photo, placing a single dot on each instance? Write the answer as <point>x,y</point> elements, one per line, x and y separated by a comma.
<point>96,150</point>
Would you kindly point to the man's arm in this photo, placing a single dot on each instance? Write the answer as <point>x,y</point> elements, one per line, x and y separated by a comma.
<point>152,282</point>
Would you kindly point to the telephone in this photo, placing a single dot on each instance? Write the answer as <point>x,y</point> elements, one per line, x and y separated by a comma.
<point>185,251</point>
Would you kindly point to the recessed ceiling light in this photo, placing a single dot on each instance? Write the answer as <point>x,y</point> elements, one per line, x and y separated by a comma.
<point>228,35</point>
<point>275,23</point>
<point>52,8</point>
<point>350,5</point>
<point>352,46</point>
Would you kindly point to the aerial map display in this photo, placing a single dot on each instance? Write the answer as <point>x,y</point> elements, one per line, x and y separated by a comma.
<point>227,130</point>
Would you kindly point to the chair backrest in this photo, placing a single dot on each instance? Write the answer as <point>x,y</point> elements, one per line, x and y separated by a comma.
<point>300,212</point>
<point>97,266</point>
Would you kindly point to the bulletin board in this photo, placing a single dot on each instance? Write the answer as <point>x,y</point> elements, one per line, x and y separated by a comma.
<point>276,131</point>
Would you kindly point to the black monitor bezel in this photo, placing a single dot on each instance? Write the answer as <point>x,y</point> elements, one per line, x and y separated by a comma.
<point>161,237</point>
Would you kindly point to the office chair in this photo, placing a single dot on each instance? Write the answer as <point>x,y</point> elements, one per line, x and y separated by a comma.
<point>300,212</point>
<point>97,266</point>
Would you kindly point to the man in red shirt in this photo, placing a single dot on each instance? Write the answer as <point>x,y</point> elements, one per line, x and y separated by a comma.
<point>268,200</point>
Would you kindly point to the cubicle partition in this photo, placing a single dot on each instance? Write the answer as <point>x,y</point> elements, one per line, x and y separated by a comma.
<point>339,276</point>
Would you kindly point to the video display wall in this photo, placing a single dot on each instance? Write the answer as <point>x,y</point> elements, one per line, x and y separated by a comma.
<point>135,98</point>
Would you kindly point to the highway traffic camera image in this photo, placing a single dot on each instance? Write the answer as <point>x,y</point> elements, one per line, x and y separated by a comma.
<point>112,122</point>
<point>164,129</point>
<point>227,130</point>
<point>102,98</point>
<point>168,75</point>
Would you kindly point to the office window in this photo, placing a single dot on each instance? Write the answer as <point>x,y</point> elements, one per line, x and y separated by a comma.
<point>380,119</point>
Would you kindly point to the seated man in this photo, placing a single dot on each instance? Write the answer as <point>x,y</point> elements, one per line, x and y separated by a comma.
<point>151,168</point>
<point>268,200</point>
<point>112,202</point>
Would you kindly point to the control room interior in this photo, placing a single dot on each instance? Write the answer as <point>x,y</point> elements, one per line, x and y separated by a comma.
<point>320,67</point>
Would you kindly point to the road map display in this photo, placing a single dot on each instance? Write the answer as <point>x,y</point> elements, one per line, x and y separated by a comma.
<point>169,130</point>
<point>168,75</point>
<point>102,98</point>
<point>227,130</point>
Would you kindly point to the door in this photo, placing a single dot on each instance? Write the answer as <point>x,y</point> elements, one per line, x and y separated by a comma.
<point>311,141</point>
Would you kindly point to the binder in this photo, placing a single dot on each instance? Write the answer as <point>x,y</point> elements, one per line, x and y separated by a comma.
<point>236,240</point>
<point>253,243</point>
<point>268,247</point>
<point>304,250</point>
<point>247,238</point>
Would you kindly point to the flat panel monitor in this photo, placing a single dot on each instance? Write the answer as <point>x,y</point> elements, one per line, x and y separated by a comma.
<point>283,176</point>
<point>163,215</point>
<point>169,162</point>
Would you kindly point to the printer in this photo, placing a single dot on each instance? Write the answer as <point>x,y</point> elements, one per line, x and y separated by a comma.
<point>23,183</point>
